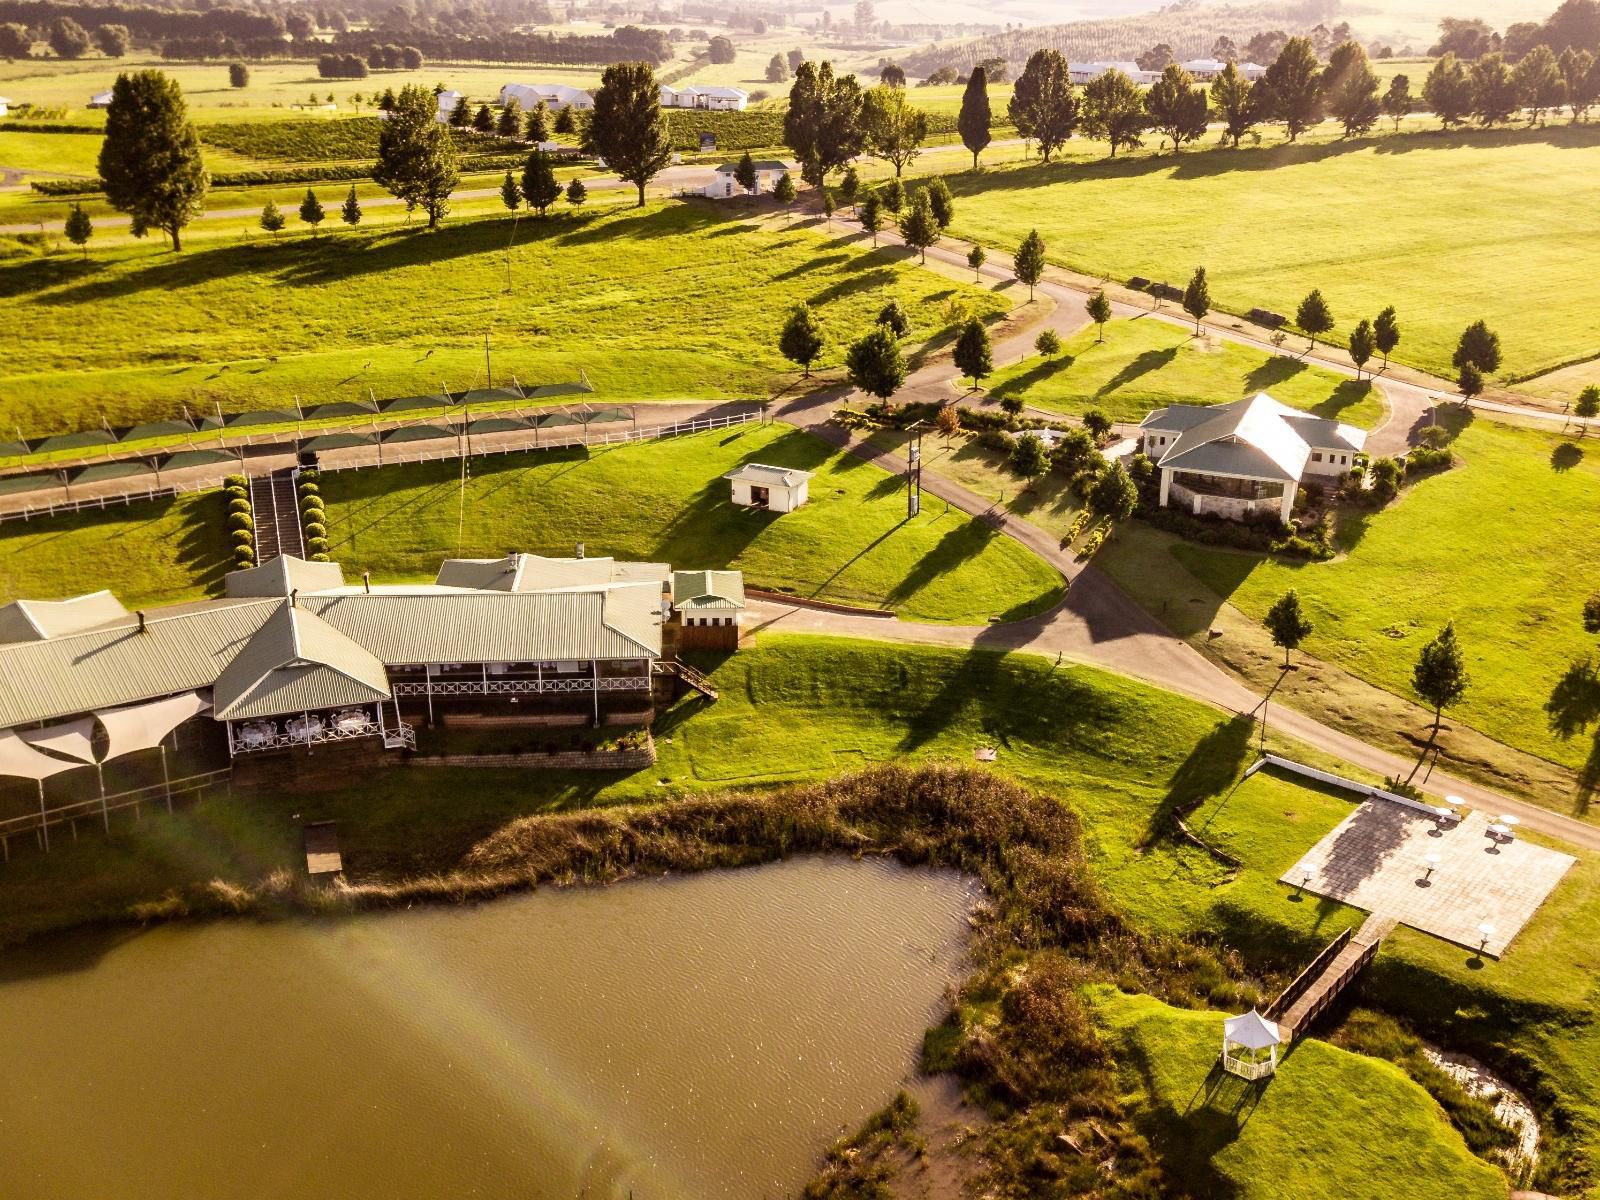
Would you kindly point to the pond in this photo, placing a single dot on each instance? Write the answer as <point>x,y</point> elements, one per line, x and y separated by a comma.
<point>699,1036</point>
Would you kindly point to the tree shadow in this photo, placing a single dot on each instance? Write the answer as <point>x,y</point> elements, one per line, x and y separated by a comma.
<point>1211,768</point>
<point>1565,456</point>
<point>1280,368</point>
<point>1347,394</point>
<point>1143,364</point>
<point>1574,705</point>
<point>1021,384</point>
<point>965,541</point>
<point>1189,1140</point>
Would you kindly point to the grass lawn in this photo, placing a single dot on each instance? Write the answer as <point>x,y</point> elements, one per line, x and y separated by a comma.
<point>666,501</point>
<point>1144,365</point>
<point>1358,219</point>
<point>673,301</point>
<point>1309,1132</point>
<point>1505,545</point>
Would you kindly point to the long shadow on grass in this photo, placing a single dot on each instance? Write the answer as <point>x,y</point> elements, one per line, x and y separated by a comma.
<point>1188,1141</point>
<point>1348,394</point>
<point>963,542</point>
<point>1268,374</point>
<point>1143,364</point>
<point>1209,770</point>
<point>1574,705</point>
<point>1038,373</point>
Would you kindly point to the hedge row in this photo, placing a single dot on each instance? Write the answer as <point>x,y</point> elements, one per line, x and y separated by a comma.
<point>274,177</point>
<point>325,140</point>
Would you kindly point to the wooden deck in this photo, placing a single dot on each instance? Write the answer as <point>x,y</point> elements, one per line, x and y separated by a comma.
<point>322,849</point>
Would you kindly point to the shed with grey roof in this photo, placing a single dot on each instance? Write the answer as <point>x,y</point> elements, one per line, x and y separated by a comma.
<point>780,489</point>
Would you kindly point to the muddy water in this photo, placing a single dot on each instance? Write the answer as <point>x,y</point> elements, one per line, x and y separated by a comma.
<point>704,1036</point>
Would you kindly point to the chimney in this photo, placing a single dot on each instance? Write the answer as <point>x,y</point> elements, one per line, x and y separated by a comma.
<point>294,597</point>
<point>580,550</point>
<point>142,628</point>
<point>366,582</point>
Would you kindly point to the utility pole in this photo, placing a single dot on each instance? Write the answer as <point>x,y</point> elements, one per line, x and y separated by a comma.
<point>914,469</point>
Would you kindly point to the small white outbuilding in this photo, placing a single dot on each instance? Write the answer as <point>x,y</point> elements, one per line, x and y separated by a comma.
<point>1250,1045</point>
<point>778,489</point>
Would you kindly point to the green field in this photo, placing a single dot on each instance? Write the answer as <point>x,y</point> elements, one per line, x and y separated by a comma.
<point>1309,1132</point>
<point>675,301</point>
<point>666,501</point>
<point>1360,220</point>
<point>1505,544</point>
<point>1145,364</point>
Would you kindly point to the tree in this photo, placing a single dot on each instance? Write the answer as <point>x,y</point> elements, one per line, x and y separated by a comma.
<point>576,193</point>
<point>783,191</point>
<point>1157,58</point>
<point>849,186</point>
<point>1447,91</point>
<point>1177,106</point>
<point>540,187</point>
<point>386,102</point>
<point>1591,611</point>
<point>777,69</point>
<point>271,218</point>
<point>411,58</point>
<point>870,214</point>
<point>975,259</point>
<point>1587,408</point>
<point>1098,306</point>
<point>483,119</point>
<point>972,351</point>
<point>795,58</point>
<point>1494,94</point>
<point>1288,624</point>
<point>537,127</point>
<point>68,39</point>
<point>893,318</point>
<point>918,229</point>
<point>1043,106</point>
<point>112,40</point>
<point>1047,343</point>
<point>510,193</point>
<point>1098,424</point>
<point>825,203</point>
<point>823,123</point>
<point>238,75</point>
<point>1386,333</point>
<point>15,40</point>
<point>1029,458</point>
<point>1113,110</point>
<point>150,165</point>
<point>1386,473</point>
<point>1582,80</point>
<point>1480,346</point>
<point>1291,90</point>
<point>940,201</point>
<point>874,364</point>
<point>1113,495</point>
<point>311,211</point>
<point>1362,343</point>
<point>801,339</point>
<point>1197,298</point>
<point>893,195</point>
<point>948,421</point>
<point>461,114</point>
<point>974,119</point>
<point>1440,678</point>
<point>416,158</point>
<point>1352,90</point>
<point>1028,265</point>
<point>1314,317</point>
<point>565,123</point>
<point>626,127</point>
<point>721,50</point>
<point>509,123</point>
<point>1469,381</point>
<point>892,75</point>
<point>1396,102</point>
<point>1539,82</point>
<point>79,229</point>
<point>350,211</point>
<point>894,130</point>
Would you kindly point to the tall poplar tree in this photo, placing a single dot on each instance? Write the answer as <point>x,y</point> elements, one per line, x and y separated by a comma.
<point>416,158</point>
<point>1291,89</point>
<point>974,120</point>
<point>626,127</point>
<point>150,165</point>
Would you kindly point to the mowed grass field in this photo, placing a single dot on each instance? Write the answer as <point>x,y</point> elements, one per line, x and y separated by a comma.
<point>1146,364</point>
<point>1505,545</point>
<point>1436,224</point>
<point>666,501</point>
<point>672,301</point>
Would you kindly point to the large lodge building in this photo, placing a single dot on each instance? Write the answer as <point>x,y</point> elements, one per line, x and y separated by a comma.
<point>295,660</point>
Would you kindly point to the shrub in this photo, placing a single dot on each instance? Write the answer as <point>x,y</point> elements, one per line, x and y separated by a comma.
<point>316,529</point>
<point>243,556</point>
<point>243,537</point>
<point>309,488</point>
<point>310,504</point>
<point>1428,458</point>
<point>238,504</point>
<point>234,481</point>
<point>240,520</point>
<point>1386,476</point>
<point>237,490</point>
<point>320,557</point>
<point>317,545</point>
<point>998,440</point>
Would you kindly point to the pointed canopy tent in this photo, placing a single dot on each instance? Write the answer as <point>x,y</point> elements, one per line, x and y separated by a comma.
<point>155,429</point>
<point>197,458</point>
<point>414,403</point>
<point>13,484</point>
<point>499,425</point>
<point>558,418</point>
<point>342,408</point>
<point>143,726</point>
<point>111,470</point>
<point>338,441</point>
<point>601,416</point>
<point>274,416</point>
<point>86,440</point>
<point>13,449</point>
<point>1250,1045</point>
<point>21,760</point>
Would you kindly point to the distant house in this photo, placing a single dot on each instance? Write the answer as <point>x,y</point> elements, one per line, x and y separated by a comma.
<point>1235,460</point>
<point>768,171</point>
<point>780,489</point>
<point>448,100</point>
<point>724,99</point>
<point>707,607</point>
<point>100,100</point>
<point>1206,69</point>
<point>553,95</point>
<point>5,106</point>
<point>1081,73</point>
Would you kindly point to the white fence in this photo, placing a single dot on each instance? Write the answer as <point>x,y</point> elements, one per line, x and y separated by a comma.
<point>1338,781</point>
<point>133,496</point>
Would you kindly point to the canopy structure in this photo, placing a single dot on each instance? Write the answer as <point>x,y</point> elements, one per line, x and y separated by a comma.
<point>21,760</point>
<point>602,415</point>
<point>419,433</point>
<point>499,425</point>
<point>338,441</point>
<point>71,739</point>
<point>1250,1045</point>
<point>111,470</point>
<point>156,429</point>
<point>143,726</point>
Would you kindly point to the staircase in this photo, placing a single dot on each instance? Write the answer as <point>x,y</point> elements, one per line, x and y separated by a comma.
<point>689,675</point>
<point>1320,984</point>
<point>276,509</point>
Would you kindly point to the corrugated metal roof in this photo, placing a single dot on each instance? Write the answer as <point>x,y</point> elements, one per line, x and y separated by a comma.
<point>535,573</point>
<point>283,574</point>
<point>1248,438</point>
<point>293,656</point>
<point>34,620</point>
<point>297,690</point>
<point>763,474</point>
<point>708,589</point>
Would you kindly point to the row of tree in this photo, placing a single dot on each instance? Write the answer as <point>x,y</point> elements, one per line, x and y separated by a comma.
<point>1493,92</point>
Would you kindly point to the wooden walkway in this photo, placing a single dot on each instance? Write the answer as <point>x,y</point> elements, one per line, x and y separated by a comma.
<point>689,675</point>
<point>1320,984</point>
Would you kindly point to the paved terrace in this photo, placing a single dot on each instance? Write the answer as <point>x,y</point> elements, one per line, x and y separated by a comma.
<point>1377,859</point>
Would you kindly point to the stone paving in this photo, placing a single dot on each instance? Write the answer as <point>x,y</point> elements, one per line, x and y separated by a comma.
<point>1377,859</point>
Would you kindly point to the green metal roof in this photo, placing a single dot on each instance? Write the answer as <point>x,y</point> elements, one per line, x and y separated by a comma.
<point>701,590</point>
<point>296,662</point>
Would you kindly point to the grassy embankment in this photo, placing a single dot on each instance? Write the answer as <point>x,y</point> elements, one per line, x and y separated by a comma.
<point>1504,544</point>
<point>673,301</point>
<point>1122,755</point>
<point>1370,205</point>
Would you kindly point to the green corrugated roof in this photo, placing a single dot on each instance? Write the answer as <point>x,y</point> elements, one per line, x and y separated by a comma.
<point>708,589</point>
<point>294,662</point>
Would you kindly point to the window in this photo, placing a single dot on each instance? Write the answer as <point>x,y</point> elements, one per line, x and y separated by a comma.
<point>1316,456</point>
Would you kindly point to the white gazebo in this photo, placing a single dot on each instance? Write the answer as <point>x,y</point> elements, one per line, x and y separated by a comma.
<point>1250,1046</point>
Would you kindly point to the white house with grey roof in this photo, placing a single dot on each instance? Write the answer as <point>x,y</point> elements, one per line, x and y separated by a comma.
<point>725,185</point>
<point>780,489</point>
<point>705,95</point>
<point>1251,456</point>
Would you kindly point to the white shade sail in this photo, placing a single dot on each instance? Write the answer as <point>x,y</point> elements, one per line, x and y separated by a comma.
<point>142,726</point>
<point>71,739</point>
<point>22,760</point>
<point>1252,1031</point>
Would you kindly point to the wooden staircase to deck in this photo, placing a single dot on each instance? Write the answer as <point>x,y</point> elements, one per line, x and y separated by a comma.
<point>682,670</point>
<point>276,508</point>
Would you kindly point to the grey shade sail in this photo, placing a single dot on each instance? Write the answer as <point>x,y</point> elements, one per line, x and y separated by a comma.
<point>602,415</point>
<point>499,425</point>
<point>413,403</point>
<point>342,408</point>
<point>338,441</point>
<point>156,429</point>
<point>10,485</point>
<point>197,458</point>
<point>500,395</point>
<point>419,433</point>
<point>274,416</point>
<point>13,449</point>
<point>551,420</point>
<point>86,440</point>
<point>111,470</point>
<point>557,389</point>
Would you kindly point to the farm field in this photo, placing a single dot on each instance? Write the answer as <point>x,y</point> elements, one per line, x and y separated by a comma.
<point>1503,544</point>
<point>666,501</point>
<point>1144,364</point>
<point>253,325</point>
<point>1356,219</point>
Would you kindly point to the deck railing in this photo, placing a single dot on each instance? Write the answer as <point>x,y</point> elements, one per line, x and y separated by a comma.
<point>48,816</point>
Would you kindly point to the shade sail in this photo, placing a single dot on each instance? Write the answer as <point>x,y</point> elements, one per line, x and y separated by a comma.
<point>156,429</point>
<point>560,418</point>
<point>601,415</point>
<point>342,408</point>
<point>414,403</point>
<point>499,395</point>
<point>111,470</point>
<point>74,738</point>
<point>197,458</point>
<point>276,416</point>
<point>21,760</point>
<point>419,433</point>
<point>142,726</point>
<point>499,425</point>
<point>338,441</point>
<point>12,484</point>
<point>13,449</point>
<point>557,389</point>
<point>1252,1031</point>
